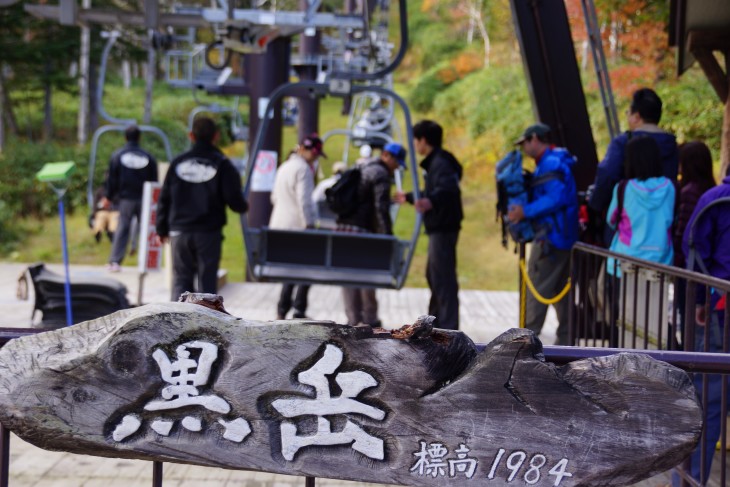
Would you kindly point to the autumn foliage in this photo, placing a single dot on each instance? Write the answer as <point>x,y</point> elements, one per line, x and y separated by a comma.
<point>634,36</point>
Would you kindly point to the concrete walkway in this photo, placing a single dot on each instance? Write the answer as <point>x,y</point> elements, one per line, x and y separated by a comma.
<point>483,314</point>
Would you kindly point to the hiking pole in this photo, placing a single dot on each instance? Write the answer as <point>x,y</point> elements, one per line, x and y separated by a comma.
<point>57,174</point>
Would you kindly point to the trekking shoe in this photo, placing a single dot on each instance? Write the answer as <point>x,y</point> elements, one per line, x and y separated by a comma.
<point>298,315</point>
<point>280,316</point>
<point>113,267</point>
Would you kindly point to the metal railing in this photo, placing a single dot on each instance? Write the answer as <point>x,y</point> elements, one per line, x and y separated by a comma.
<point>621,301</point>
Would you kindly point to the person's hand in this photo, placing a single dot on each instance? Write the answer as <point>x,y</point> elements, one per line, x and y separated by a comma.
<point>105,203</point>
<point>162,240</point>
<point>423,205</point>
<point>515,214</point>
<point>700,317</point>
<point>400,197</point>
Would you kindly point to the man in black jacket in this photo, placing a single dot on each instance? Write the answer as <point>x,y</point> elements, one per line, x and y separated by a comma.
<point>371,216</point>
<point>442,212</point>
<point>129,168</point>
<point>191,211</point>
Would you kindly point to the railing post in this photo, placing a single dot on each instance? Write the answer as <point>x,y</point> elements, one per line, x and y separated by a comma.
<point>156,474</point>
<point>309,481</point>
<point>4,455</point>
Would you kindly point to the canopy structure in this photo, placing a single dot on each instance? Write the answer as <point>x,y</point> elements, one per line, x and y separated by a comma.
<point>700,29</point>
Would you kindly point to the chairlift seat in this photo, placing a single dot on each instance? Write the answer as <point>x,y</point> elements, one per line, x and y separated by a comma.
<point>338,258</point>
<point>91,297</point>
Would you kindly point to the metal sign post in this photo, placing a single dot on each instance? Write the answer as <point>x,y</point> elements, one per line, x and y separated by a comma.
<point>57,174</point>
<point>150,247</point>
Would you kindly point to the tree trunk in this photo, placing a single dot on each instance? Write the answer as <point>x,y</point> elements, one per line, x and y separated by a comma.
<point>126,74</point>
<point>47,107</point>
<point>151,65</point>
<point>2,125</point>
<point>82,133</point>
<point>7,113</point>
<point>93,122</point>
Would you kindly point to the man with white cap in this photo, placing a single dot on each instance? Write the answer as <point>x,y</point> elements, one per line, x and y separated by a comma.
<point>372,215</point>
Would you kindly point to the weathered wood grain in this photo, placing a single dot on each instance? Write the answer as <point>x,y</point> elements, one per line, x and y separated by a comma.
<point>321,399</point>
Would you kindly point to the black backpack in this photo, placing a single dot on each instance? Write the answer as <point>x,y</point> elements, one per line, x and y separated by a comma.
<point>342,197</point>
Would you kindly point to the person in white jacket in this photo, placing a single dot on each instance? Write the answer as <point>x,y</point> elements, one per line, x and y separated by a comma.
<point>294,210</point>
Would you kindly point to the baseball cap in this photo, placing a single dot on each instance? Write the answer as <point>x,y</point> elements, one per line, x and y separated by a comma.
<point>397,151</point>
<point>313,143</point>
<point>536,129</point>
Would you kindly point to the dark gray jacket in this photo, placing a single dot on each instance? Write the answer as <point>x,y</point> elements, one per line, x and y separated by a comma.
<point>373,211</point>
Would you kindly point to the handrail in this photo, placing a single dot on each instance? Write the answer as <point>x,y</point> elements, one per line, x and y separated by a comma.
<point>647,264</point>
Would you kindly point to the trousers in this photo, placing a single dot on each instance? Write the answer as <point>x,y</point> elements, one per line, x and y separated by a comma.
<point>442,280</point>
<point>300,291</point>
<point>195,260</point>
<point>128,210</point>
<point>549,272</point>
<point>361,305</point>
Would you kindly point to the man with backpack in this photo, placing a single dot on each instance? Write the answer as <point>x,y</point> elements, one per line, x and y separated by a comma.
<point>371,215</point>
<point>442,212</point>
<point>553,212</point>
<point>643,115</point>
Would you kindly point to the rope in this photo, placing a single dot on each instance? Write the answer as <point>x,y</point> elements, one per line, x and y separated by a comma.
<point>537,295</point>
<point>523,301</point>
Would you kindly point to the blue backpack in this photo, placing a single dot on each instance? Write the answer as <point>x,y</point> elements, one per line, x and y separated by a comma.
<point>513,188</point>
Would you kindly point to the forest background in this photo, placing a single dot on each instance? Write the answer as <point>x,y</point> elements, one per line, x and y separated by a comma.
<point>463,69</point>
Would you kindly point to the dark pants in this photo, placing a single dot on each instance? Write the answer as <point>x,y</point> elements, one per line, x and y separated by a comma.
<point>128,210</point>
<point>549,272</point>
<point>441,277</point>
<point>300,300</point>
<point>195,254</point>
<point>361,305</point>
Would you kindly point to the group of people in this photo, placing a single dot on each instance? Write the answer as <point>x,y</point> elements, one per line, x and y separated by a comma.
<point>440,204</point>
<point>202,182</point>
<point>657,201</point>
<point>191,212</point>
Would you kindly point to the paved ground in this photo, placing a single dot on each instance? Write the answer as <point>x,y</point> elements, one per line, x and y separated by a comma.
<point>484,315</point>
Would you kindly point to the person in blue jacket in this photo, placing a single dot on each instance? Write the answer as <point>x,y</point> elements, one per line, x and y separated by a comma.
<point>643,115</point>
<point>553,211</point>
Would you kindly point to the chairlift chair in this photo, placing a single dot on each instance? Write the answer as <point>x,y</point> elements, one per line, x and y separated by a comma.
<point>325,256</point>
<point>115,124</point>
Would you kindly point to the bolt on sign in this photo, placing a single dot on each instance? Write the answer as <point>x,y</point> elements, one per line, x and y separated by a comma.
<point>180,382</point>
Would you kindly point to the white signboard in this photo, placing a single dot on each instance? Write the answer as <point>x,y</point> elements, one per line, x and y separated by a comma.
<point>264,171</point>
<point>150,248</point>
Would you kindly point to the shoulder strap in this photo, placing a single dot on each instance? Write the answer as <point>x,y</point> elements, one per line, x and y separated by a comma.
<point>548,176</point>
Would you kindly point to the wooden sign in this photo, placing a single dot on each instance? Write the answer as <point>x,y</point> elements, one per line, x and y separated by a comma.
<point>419,406</point>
